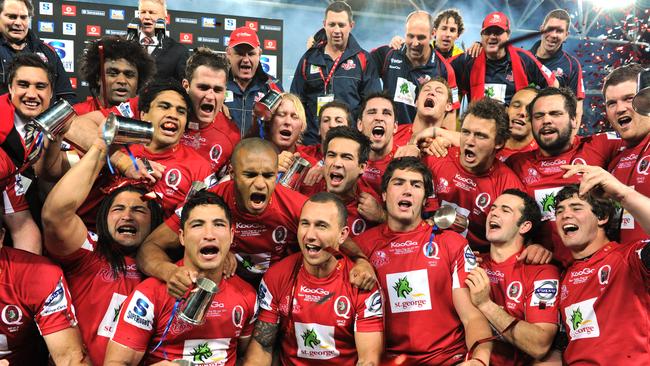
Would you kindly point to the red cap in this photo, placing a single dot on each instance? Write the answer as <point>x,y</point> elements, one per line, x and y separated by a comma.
<point>496,19</point>
<point>244,35</point>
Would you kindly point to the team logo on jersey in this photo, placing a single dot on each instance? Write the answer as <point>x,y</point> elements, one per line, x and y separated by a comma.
<point>544,293</point>
<point>514,291</point>
<point>470,259</point>
<point>373,305</point>
<point>215,153</point>
<point>206,351</point>
<point>483,200</point>
<point>173,178</point>
<point>109,321</point>
<point>12,315</point>
<point>531,177</point>
<point>56,301</point>
<point>140,311</point>
<point>558,72</point>
<point>315,341</point>
<point>581,320</point>
<point>430,250</point>
<point>643,165</point>
<point>238,316</point>
<point>423,79</point>
<point>443,186</point>
<point>358,226</point>
<point>409,291</point>
<point>348,65</point>
<point>578,161</point>
<point>379,258</point>
<point>264,296</point>
<point>342,307</point>
<point>546,201</point>
<point>280,235</point>
<point>603,274</point>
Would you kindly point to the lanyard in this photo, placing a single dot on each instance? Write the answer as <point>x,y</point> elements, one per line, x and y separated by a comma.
<point>329,76</point>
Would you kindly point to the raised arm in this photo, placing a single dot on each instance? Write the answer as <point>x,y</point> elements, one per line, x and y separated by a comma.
<point>64,231</point>
<point>66,347</point>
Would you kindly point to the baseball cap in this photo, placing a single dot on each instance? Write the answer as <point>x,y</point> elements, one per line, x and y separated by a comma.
<point>496,19</point>
<point>244,35</point>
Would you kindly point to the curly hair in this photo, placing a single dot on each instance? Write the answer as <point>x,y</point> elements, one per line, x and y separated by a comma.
<point>115,48</point>
<point>487,109</point>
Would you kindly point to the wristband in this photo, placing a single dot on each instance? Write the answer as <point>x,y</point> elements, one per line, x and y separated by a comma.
<point>510,326</point>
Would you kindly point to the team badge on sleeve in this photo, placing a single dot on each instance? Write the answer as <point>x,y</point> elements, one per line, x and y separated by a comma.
<point>545,292</point>
<point>56,301</point>
<point>264,297</point>
<point>140,311</point>
<point>373,305</point>
<point>469,259</point>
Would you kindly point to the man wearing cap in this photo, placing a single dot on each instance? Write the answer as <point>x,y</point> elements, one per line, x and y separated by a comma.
<point>500,69</point>
<point>170,55</point>
<point>247,81</point>
<point>335,67</point>
<point>404,71</point>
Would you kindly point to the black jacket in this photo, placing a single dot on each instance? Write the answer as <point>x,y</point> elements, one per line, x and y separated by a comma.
<point>170,60</point>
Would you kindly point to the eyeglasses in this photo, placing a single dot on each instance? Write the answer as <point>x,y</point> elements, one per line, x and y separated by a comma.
<point>493,31</point>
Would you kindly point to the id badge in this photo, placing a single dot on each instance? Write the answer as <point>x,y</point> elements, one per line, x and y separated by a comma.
<point>322,100</point>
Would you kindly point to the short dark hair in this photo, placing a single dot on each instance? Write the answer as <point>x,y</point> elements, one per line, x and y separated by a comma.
<point>530,212</point>
<point>151,90</point>
<point>324,197</point>
<point>28,4</point>
<point>622,74</point>
<point>487,108</point>
<point>115,48</point>
<point>350,134</point>
<point>560,14</point>
<point>204,56</point>
<point>570,102</point>
<point>29,60</point>
<point>106,247</point>
<point>254,144</point>
<point>204,198</point>
<point>336,104</point>
<point>338,7</point>
<point>375,95</point>
<point>450,13</point>
<point>603,208</point>
<point>409,163</point>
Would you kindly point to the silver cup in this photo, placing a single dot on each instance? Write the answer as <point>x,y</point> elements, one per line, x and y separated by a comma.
<point>198,303</point>
<point>296,173</point>
<point>120,130</point>
<point>183,362</point>
<point>54,119</point>
<point>446,217</point>
<point>264,107</point>
<point>641,101</point>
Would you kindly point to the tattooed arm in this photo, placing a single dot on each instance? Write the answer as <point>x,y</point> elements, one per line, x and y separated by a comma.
<point>260,349</point>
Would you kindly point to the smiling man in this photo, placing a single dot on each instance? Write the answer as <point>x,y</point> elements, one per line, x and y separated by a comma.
<point>521,131</point>
<point>405,71</point>
<point>470,178</point>
<point>308,301</point>
<point>149,328</point>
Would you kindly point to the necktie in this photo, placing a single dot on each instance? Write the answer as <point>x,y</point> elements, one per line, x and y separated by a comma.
<point>147,41</point>
<point>32,143</point>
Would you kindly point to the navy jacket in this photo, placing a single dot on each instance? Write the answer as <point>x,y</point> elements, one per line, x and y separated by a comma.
<point>566,68</point>
<point>354,78</point>
<point>61,88</point>
<point>240,102</point>
<point>170,60</point>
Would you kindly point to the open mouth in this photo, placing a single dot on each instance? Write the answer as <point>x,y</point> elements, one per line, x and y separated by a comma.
<point>404,204</point>
<point>245,67</point>
<point>258,199</point>
<point>469,155</point>
<point>493,225</point>
<point>336,178</point>
<point>518,122</point>
<point>429,103</point>
<point>209,251</point>
<point>31,103</point>
<point>547,131</point>
<point>170,127</point>
<point>206,107</point>
<point>378,131</point>
<point>285,133</point>
<point>624,121</point>
<point>568,229</point>
<point>127,230</point>
<point>312,249</point>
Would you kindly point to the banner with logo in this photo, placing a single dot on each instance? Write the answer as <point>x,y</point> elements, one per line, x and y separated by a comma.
<point>67,27</point>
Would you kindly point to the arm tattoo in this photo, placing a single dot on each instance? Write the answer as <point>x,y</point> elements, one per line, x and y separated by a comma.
<point>265,334</point>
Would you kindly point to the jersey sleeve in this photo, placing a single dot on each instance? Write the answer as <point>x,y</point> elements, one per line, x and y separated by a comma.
<point>459,64</point>
<point>298,83</point>
<point>602,148</point>
<point>370,78</point>
<point>378,57</point>
<point>268,301</point>
<point>251,311</point>
<point>13,198</point>
<point>55,310</point>
<point>536,72</point>
<point>576,82</point>
<point>369,308</point>
<point>543,297</point>
<point>136,324</point>
<point>634,260</point>
<point>77,261</point>
<point>461,258</point>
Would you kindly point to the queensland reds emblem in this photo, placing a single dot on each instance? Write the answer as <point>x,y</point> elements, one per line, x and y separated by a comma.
<point>348,65</point>
<point>358,226</point>
<point>379,258</point>
<point>643,165</point>
<point>280,235</point>
<point>12,315</point>
<point>430,250</point>
<point>483,200</point>
<point>215,153</point>
<point>578,161</point>
<point>342,307</point>
<point>603,274</point>
<point>173,178</point>
<point>179,326</point>
<point>237,316</point>
<point>514,291</point>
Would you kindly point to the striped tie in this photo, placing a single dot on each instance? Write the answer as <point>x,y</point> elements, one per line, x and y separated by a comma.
<point>32,145</point>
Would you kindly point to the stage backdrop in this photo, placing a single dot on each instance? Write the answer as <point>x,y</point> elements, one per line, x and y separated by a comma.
<point>67,27</point>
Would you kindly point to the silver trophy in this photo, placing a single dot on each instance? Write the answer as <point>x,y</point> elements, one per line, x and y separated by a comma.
<point>446,217</point>
<point>54,119</point>
<point>198,302</point>
<point>120,130</point>
<point>183,362</point>
<point>264,107</point>
<point>293,177</point>
<point>641,101</point>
